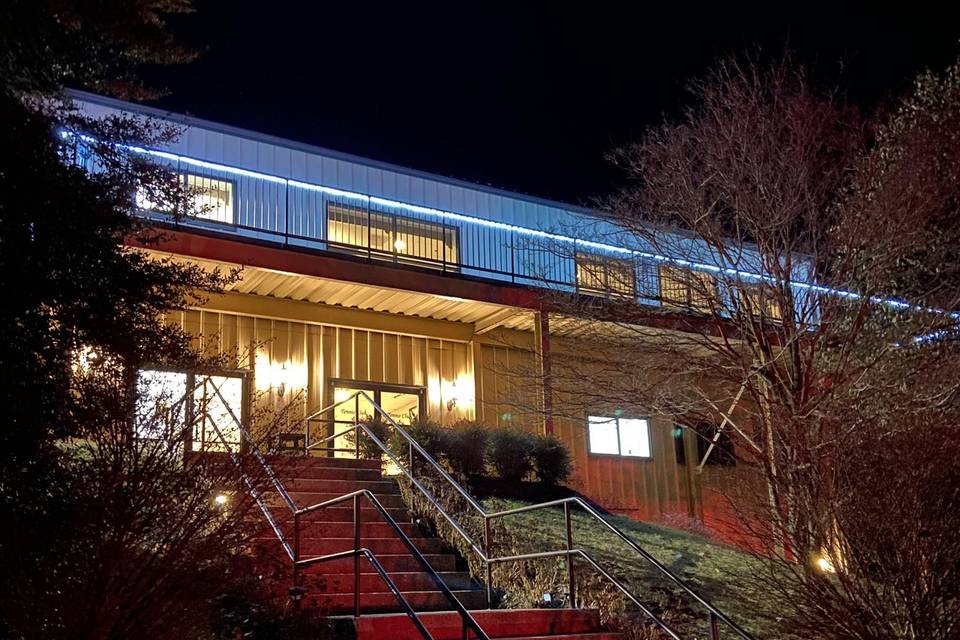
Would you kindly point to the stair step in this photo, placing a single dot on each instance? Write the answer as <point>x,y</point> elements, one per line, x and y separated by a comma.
<point>308,498</point>
<point>344,529</point>
<point>328,583</point>
<point>287,462</point>
<point>497,623</point>
<point>340,486</point>
<point>339,603</point>
<point>325,546</point>
<point>392,563</point>
<point>316,472</point>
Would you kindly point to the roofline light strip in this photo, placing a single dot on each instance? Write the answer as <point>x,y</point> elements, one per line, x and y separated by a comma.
<point>449,215</point>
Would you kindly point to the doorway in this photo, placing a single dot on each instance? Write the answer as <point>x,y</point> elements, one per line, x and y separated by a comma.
<point>402,403</point>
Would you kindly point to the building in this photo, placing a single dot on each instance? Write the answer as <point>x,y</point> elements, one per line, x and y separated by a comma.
<point>429,293</point>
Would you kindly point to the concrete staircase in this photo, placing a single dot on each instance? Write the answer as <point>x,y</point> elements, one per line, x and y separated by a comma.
<point>329,585</point>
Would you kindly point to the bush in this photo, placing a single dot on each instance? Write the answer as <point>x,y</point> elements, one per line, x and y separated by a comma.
<point>428,434</point>
<point>509,453</point>
<point>465,447</point>
<point>368,448</point>
<point>551,460</point>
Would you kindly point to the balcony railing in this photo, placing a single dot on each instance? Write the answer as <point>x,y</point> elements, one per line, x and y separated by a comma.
<point>262,206</point>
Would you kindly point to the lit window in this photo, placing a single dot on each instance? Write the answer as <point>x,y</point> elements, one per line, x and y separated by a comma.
<point>209,198</point>
<point>217,405</point>
<point>754,300</point>
<point>603,275</point>
<point>628,437</point>
<point>390,236</point>
<point>685,288</point>
<point>162,403</point>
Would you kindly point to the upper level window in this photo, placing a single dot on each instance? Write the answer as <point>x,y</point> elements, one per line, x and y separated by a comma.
<point>606,276</point>
<point>210,198</point>
<point>686,288</point>
<point>755,300</point>
<point>392,236</point>
<point>628,437</point>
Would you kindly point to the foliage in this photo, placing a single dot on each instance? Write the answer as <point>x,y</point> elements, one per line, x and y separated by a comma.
<point>510,453</point>
<point>551,460</point>
<point>765,173</point>
<point>369,450</point>
<point>465,447</point>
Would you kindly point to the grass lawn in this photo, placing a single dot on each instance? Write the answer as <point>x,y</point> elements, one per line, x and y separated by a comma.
<point>720,573</point>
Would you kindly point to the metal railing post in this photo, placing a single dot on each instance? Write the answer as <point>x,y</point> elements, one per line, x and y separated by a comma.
<point>571,580</point>
<point>356,555</point>
<point>296,560</point>
<point>487,543</point>
<point>410,454</point>
<point>356,432</point>
<point>714,626</point>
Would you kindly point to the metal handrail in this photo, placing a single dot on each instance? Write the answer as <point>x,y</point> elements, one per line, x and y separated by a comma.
<point>716,615</point>
<point>468,620</point>
<point>372,559</point>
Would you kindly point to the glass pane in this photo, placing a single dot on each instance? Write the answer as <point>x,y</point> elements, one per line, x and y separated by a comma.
<point>603,435</point>
<point>161,403</point>
<point>634,437</point>
<point>673,286</point>
<point>211,199</point>
<point>345,416</point>
<point>217,427</point>
<point>347,225</point>
<point>402,407</point>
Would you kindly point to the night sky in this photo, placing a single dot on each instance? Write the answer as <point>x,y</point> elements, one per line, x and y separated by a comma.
<point>523,96</point>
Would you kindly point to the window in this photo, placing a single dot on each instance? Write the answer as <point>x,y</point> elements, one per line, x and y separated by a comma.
<point>685,288</point>
<point>210,198</point>
<point>628,437</point>
<point>391,236</point>
<point>722,454</point>
<point>679,450</point>
<point>606,276</point>
<point>216,405</point>
<point>161,404</point>
<point>755,298</point>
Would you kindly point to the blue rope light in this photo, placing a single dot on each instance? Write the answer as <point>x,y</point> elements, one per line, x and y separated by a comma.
<point>459,217</point>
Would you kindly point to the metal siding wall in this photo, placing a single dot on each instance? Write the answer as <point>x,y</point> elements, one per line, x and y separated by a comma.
<point>307,356</point>
<point>642,488</point>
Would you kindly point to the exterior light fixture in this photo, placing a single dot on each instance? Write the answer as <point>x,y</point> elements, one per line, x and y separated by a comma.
<point>824,564</point>
<point>221,499</point>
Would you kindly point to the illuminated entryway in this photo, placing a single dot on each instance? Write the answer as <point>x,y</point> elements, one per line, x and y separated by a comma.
<point>402,403</point>
<point>205,410</point>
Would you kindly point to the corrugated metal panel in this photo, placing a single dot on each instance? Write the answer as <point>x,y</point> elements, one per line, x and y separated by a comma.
<point>306,357</point>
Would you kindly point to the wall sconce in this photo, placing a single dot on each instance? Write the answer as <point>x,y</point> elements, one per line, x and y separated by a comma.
<point>451,404</point>
<point>282,387</point>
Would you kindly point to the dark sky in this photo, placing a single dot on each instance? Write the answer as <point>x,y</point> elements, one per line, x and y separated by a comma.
<point>523,96</point>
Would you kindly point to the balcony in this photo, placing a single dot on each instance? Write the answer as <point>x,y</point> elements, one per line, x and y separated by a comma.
<point>247,204</point>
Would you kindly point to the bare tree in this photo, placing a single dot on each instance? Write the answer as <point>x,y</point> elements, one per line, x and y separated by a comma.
<point>797,269</point>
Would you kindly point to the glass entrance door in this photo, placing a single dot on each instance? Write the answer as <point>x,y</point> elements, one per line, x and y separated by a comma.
<point>401,403</point>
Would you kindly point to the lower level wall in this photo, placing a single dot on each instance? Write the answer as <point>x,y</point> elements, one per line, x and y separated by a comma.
<point>481,379</point>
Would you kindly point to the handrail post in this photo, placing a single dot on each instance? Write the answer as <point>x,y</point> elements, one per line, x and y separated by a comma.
<point>356,555</point>
<point>410,454</point>
<point>571,580</point>
<point>356,432</point>
<point>714,626</point>
<point>296,559</point>
<point>487,543</point>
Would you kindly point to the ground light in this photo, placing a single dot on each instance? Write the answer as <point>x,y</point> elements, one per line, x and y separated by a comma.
<point>221,499</point>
